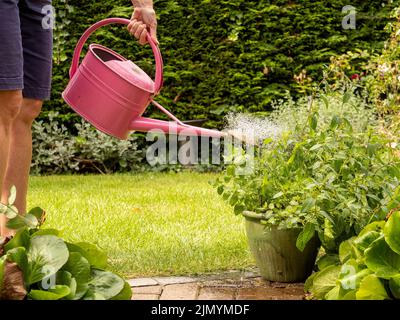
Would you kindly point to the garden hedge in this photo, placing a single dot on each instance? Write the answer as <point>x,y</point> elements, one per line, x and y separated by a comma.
<point>223,56</point>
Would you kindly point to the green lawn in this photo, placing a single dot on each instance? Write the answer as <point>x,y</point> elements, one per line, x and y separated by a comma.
<point>149,224</point>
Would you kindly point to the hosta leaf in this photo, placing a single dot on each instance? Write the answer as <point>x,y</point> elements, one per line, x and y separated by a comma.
<point>96,257</point>
<point>394,285</point>
<point>371,288</point>
<point>21,239</point>
<point>56,293</point>
<point>392,232</point>
<point>324,281</point>
<point>381,259</point>
<point>105,283</point>
<point>79,268</point>
<point>65,278</point>
<point>333,294</point>
<point>21,221</point>
<point>327,260</point>
<point>364,241</point>
<point>19,256</point>
<point>125,294</point>
<point>46,255</point>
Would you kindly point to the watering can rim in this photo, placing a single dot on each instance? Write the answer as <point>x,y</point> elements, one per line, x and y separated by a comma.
<point>122,58</point>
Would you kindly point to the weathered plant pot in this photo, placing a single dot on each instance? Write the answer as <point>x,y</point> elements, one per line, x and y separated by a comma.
<point>276,253</point>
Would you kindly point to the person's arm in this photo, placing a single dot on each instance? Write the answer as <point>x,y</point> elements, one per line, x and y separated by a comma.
<point>143,19</point>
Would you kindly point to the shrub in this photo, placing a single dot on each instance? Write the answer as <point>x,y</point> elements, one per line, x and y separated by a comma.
<point>331,178</point>
<point>56,150</point>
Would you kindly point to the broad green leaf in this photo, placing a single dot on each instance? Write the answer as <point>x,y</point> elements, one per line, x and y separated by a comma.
<point>39,214</point>
<point>309,282</point>
<point>56,293</point>
<point>394,285</point>
<point>21,239</point>
<point>376,226</point>
<point>105,283</point>
<point>46,255</point>
<point>125,294</point>
<point>19,256</point>
<point>324,281</point>
<point>351,295</point>
<point>79,268</point>
<point>364,241</point>
<point>21,221</point>
<point>347,250</point>
<point>90,295</point>
<point>333,294</point>
<point>42,232</point>
<point>305,236</point>
<point>96,257</point>
<point>371,288</point>
<point>65,278</point>
<point>392,232</point>
<point>351,275</point>
<point>327,260</point>
<point>381,259</point>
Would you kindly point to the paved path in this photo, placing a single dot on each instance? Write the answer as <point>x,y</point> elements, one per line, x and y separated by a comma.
<point>226,286</point>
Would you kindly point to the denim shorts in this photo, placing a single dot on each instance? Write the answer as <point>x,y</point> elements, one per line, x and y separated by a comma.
<point>26,44</point>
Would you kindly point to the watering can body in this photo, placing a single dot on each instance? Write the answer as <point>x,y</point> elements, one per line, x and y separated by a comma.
<point>112,92</point>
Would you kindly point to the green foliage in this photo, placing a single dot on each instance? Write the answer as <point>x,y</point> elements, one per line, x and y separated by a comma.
<point>223,56</point>
<point>52,269</point>
<point>368,269</point>
<point>57,150</point>
<point>329,177</point>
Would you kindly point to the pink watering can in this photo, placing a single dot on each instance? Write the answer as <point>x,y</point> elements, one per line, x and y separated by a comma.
<point>112,92</point>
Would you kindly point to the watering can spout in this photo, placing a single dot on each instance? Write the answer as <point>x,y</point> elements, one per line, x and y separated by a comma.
<point>143,124</point>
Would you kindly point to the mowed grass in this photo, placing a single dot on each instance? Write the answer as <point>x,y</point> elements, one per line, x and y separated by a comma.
<point>149,224</point>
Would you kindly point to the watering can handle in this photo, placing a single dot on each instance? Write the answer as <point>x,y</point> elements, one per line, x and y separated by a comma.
<point>157,54</point>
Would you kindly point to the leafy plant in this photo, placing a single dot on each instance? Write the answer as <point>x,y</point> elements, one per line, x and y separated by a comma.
<point>57,150</point>
<point>366,268</point>
<point>37,264</point>
<point>330,179</point>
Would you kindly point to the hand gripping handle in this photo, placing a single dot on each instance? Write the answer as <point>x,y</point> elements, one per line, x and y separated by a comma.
<point>157,54</point>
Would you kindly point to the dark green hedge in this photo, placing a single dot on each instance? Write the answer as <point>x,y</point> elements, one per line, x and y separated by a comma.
<point>221,55</point>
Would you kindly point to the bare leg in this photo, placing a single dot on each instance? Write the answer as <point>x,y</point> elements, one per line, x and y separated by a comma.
<point>10,104</point>
<point>20,154</point>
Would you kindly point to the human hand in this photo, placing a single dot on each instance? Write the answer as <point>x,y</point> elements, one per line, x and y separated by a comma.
<point>143,20</point>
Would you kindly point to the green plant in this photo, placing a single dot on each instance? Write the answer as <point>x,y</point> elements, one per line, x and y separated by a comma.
<point>37,264</point>
<point>57,150</point>
<point>366,268</point>
<point>330,178</point>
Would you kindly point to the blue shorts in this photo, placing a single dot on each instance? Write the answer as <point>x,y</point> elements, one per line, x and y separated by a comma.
<point>26,44</point>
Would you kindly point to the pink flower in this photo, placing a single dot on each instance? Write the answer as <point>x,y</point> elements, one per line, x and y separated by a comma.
<point>355,77</point>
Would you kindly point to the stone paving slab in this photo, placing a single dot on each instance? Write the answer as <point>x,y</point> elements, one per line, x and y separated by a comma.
<point>233,285</point>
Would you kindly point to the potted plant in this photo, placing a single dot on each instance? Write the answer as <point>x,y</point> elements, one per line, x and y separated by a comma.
<point>317,184</point>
